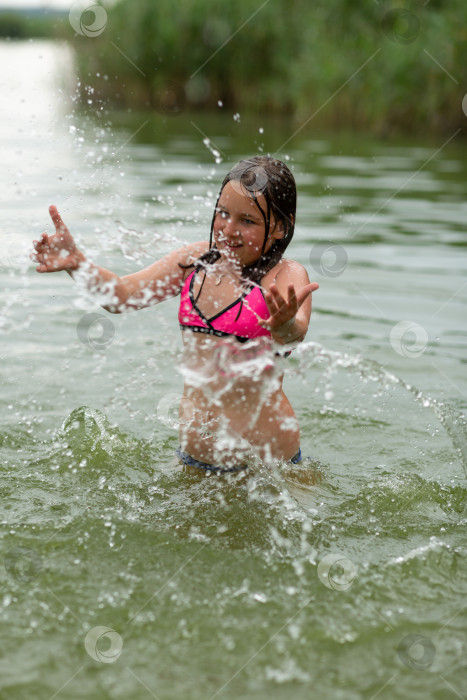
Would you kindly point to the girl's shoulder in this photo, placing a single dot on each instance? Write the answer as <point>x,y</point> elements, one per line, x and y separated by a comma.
<point>190,254</point>
<point>284,273</point>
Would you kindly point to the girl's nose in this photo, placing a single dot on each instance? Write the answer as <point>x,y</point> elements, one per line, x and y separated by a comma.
<point>228,227</point>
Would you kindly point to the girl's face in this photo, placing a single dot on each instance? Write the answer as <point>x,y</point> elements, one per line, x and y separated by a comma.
<point>239,226</point>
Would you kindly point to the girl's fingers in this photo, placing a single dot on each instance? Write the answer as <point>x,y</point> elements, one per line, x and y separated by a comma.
<point>282,310</point>
<point>278,298</point>
<point>57,219</point>
<point>280,307</point>
<point>271,302</point>
<point>293,302</point>
<point>306,291</point>
<point>292,295</point>
<point>290,305</point>
<point>42,242</point>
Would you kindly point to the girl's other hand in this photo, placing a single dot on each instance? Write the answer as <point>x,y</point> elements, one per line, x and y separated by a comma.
<point>284,310</point>
<point>58,251</point>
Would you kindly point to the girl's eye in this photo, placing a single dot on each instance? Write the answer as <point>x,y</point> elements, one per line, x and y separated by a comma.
<point>225,215</point>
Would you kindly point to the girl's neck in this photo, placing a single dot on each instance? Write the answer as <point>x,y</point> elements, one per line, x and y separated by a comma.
<point>228,267</point>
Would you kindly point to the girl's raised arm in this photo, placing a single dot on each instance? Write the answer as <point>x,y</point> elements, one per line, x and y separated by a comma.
<point>289,302</point>
<point>159,281</point>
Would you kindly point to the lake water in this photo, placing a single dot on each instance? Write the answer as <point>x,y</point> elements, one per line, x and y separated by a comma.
<point>124,577</point>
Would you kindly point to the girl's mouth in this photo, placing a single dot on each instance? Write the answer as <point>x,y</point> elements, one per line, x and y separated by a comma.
<point>229,244</point>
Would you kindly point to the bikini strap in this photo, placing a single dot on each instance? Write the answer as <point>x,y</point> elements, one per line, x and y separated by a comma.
<point>202,283</point>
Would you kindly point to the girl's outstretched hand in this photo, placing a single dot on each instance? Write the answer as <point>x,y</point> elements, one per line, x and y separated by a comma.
<point>283,310</point>
<point>58,251</point>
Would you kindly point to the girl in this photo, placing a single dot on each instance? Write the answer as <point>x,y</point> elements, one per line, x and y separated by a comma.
<point>238,295</point>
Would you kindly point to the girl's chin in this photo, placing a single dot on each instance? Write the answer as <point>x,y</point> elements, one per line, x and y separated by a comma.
<point>230,253</point>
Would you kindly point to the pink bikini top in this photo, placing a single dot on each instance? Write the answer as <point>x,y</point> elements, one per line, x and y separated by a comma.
<point>239,319</point>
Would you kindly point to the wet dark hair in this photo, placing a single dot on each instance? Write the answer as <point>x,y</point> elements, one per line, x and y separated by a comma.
<point>272,178</point>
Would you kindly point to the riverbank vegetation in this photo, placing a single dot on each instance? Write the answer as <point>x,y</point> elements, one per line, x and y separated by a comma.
<point>33,24</point>
<point>385,66</point>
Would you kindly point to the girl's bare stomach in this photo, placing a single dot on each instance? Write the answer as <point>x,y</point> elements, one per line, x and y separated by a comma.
<point>229,438</point>
<point>234,406</point>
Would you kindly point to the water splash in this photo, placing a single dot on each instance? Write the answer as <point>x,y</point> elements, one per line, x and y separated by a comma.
<point>310,354</point>
<point>209,145</point>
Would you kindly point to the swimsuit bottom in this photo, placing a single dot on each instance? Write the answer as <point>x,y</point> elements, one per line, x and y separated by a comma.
<point>192,462</point>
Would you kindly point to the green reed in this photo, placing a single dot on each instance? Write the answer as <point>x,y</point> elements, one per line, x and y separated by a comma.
<point>290,57</point>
